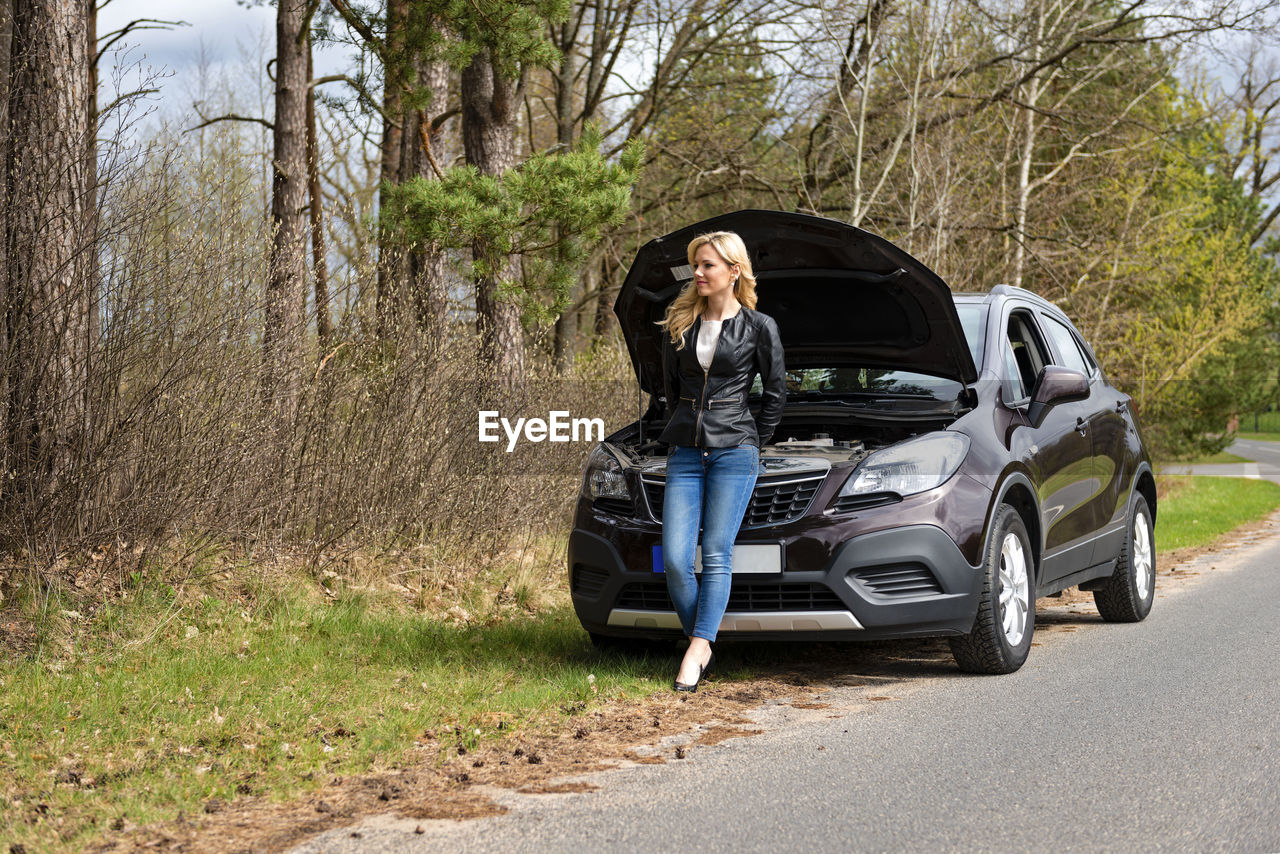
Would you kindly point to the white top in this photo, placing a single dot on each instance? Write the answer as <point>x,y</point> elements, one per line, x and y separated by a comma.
<point>708,334</point>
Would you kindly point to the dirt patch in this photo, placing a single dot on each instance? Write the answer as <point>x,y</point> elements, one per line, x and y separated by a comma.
<point>252,825</point>
<point>648,758</point>
<point>17,638</point>
<point>450,783</point>
<point>557,788</point>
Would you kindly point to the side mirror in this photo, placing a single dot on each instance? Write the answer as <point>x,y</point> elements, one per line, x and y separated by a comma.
<point>1055,385</point>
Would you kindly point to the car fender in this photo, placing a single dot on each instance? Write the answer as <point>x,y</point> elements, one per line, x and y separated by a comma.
<point>1009,481</point>
<point>1143,467</point>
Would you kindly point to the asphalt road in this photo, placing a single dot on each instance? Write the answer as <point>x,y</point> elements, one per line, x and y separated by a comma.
<point>1157,736</point>
<point>1266,453</point>
<point>1265,465</point>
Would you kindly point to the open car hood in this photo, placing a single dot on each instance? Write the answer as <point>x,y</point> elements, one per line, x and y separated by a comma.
<point>840,295</point>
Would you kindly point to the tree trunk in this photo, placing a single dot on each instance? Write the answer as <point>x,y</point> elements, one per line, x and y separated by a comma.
<point>93,276</point>
<point>562,347</point>
<point>604,302</point>
<point>566,75</point>
<point>853,77</point>
<point>1030,100</point>
<point>1022,201</point>
<point>6,43</point>
<point>390,259</point>
<point>424,274</point>
<point>489,106</point>
<point>566,81</point>
<point>319,264</point>
<point>284,331</point>
<point>46,297</point>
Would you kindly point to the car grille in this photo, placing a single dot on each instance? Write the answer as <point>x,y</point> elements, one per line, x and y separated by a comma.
<point>588,580</point>
<point>772,502</point>
<point>652,596</point>
<point>899,580</point>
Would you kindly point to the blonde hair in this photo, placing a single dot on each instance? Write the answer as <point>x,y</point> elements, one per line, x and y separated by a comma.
<point>686,307</point>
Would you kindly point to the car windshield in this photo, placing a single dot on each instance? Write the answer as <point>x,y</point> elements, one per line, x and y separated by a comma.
<point>881,382</point>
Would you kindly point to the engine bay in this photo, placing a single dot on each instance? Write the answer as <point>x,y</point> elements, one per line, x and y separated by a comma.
<point>796,446</point>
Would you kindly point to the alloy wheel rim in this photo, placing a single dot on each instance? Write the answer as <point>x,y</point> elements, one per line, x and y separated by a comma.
<point>1142,564</point>
<point>1015,598</point>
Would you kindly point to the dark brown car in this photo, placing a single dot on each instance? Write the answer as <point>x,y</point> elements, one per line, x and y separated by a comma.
<point>943,460</point>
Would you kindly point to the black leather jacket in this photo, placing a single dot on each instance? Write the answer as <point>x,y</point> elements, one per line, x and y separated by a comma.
<point>708,409</point>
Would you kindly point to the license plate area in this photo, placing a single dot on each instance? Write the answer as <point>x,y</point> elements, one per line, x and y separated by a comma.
<point>748,559</point>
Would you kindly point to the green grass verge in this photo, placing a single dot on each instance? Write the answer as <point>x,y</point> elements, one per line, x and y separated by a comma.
<point>1261,437</point>
<point>158,706</point>
<point>1198,510</point>
<point>1220,458</point>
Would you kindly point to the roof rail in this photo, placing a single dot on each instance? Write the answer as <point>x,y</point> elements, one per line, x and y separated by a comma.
<point>1012,290</point>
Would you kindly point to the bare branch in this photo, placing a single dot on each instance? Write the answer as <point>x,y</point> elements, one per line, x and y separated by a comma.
<point>231,117</point>
<point>138,24</point>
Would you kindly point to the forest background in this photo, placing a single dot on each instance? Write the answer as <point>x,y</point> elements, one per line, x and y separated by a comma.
<point>263,319</point>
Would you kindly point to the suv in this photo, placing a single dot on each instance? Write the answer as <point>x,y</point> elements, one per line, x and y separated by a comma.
<point>943,459</point>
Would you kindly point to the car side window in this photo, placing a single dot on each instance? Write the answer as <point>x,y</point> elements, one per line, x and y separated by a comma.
<point>1014,388</point>
<point>1088,355</point>
<point>1069,355</point>
<point>1025,357</point>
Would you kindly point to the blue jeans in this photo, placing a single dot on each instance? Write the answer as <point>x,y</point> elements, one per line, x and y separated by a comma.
<point>725,477</point>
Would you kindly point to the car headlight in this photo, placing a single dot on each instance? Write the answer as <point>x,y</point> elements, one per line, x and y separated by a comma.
<point>909,467</point>
<point>603,477</point>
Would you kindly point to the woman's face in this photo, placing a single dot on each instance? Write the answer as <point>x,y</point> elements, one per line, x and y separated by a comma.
<point>711,273</point>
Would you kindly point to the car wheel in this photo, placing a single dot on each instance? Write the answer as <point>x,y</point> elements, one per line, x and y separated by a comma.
<point>1001,635</point>
<point>1130,591</point>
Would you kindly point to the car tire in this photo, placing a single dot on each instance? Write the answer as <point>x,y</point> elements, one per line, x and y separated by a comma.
<point>1129,593</point>
<point>1001,635</point>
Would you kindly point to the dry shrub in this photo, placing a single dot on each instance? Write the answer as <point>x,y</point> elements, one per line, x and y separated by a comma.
<point>382,454</point>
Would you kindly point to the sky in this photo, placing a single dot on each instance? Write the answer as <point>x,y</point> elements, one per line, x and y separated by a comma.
<point>219,22</point>
<point>236,40</point>
<point>225,30</point>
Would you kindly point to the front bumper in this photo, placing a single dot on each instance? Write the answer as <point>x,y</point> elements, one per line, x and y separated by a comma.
<point>897,582</point>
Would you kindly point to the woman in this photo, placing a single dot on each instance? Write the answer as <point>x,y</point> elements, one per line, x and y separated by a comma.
<point>716,344</point>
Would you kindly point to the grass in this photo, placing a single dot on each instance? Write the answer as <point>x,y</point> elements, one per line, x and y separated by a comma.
<point>1195,511</point>
<point>160,704</point>
<point>1261,437</point>
<point>1219,458</point>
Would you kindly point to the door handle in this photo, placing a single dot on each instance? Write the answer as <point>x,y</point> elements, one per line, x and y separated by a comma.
<point>1081,426</point>
<point>1122,406</point>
